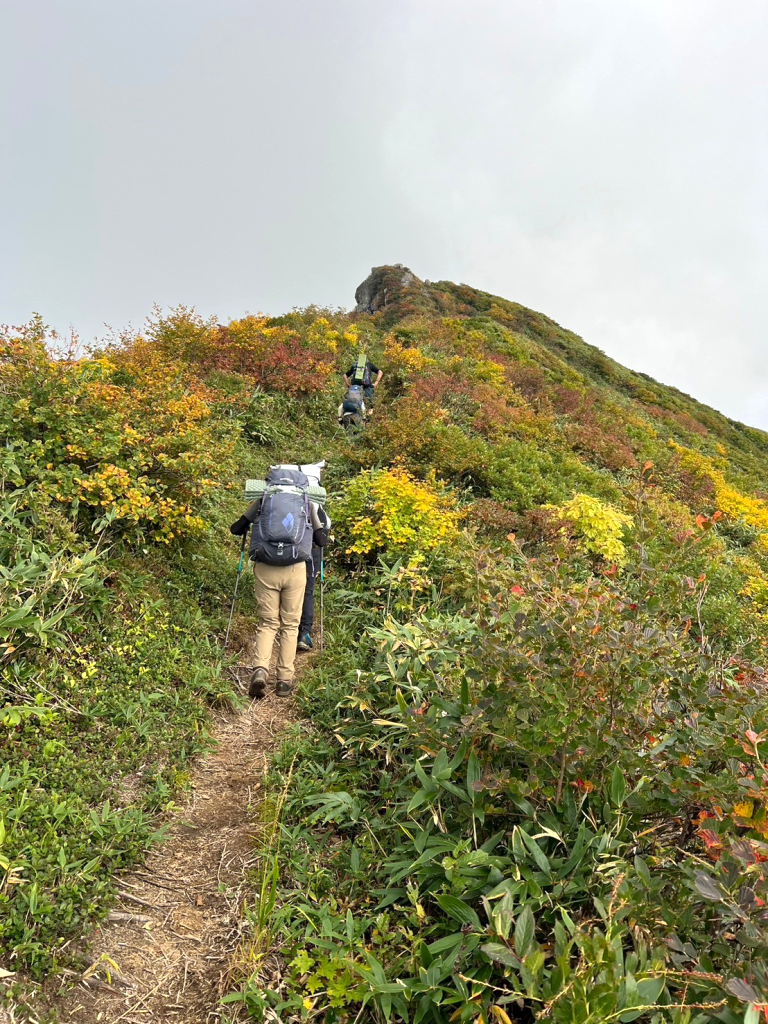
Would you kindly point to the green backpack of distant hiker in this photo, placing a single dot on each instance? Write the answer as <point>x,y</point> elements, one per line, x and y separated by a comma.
<point>361,375</point>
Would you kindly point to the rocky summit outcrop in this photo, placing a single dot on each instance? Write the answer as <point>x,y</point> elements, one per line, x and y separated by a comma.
<point>385,285</point>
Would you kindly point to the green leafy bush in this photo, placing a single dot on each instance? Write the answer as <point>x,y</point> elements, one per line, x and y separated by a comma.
<point>508,786</point>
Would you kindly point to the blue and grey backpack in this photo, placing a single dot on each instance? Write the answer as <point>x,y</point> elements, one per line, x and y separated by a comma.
<point>353,400</point>
<point>282,535</point>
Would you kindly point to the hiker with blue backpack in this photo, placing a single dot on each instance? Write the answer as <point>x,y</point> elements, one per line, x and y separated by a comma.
<point>352,410</point>
<point>284,525</point>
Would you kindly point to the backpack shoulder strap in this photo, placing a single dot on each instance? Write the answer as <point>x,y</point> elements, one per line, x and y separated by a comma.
<point>253,510</point>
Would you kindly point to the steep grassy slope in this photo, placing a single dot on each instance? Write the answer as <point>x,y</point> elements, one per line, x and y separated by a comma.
<point>530,781</point>
<point>531,785</point>
<point>532,338</point>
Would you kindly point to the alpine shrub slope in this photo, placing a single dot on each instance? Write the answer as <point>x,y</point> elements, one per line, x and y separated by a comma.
<point>529,783</point>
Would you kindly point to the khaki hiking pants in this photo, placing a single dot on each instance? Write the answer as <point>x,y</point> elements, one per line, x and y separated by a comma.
<point>279,596</point>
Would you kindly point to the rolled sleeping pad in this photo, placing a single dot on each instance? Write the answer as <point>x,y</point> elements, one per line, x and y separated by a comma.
<point>255,489</point>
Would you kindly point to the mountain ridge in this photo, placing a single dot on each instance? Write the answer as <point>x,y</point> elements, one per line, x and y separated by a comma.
<point>394,297</point>
<point>393,288</point>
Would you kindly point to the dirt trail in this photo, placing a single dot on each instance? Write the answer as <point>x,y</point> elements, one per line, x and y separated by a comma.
<point>178,920</point>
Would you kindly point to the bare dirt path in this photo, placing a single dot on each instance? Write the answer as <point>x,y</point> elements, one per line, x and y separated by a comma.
<point>164,953</point>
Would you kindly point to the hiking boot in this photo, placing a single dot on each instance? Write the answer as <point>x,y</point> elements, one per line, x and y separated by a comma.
<point>258,684</point>
<point>282,688</point>
<point>305,642</point>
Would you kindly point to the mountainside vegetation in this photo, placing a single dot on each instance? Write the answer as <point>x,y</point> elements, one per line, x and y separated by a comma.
<point>528,781</point>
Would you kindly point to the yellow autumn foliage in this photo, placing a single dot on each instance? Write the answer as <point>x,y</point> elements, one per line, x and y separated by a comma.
<point>389,511</point>
<point>734,505</point>
<point>598,526</point>
<point>403,357</point>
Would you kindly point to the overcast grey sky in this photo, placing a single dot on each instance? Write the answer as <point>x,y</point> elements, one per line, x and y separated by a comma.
<point>603,161</point>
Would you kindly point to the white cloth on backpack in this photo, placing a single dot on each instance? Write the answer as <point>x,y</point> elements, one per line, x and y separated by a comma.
<point>311,470</point>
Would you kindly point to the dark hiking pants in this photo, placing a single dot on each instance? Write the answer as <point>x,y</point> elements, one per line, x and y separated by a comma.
<point>308,609</point>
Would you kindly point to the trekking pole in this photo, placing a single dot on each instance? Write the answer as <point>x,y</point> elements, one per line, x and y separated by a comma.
<point>237,584</point>
<point>322,590</point>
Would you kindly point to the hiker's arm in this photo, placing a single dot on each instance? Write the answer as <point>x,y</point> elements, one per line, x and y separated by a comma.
<point>244,523</point>
<point>346,380</point>
<point>321,525</point>
<point>253,511</point>
<point>376,382</point>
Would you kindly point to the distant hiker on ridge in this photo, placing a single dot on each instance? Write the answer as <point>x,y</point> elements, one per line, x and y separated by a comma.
<point>362,373</point>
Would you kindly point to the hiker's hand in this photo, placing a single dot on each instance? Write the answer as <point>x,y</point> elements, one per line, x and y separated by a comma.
<point>240,528</point>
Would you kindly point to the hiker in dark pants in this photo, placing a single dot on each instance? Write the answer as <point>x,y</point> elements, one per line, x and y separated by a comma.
<point>352,411</point>
<point>313,571</point>
<point>308,608</point>
<point>362,373</point>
